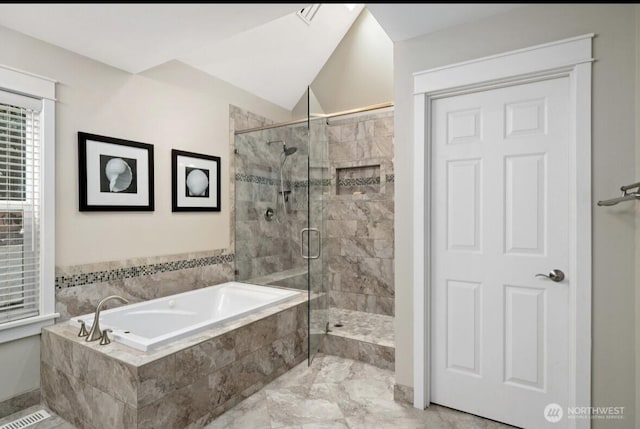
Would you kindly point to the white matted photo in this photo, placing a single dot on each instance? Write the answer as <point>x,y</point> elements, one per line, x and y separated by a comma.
<point>195,182</point>
<point>114,174</point>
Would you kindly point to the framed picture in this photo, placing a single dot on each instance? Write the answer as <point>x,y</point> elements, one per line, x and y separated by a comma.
<point>114,174</point>
<point>195,182</point>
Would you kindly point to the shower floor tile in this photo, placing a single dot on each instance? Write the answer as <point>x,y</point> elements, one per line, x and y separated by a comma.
<point>361,326</point>
<point>339,393</point>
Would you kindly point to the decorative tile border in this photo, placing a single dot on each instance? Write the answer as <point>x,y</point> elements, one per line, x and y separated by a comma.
<point>312,182</point>
<point>249,178</point>
<point>359,181</point>
<point>142,270</point>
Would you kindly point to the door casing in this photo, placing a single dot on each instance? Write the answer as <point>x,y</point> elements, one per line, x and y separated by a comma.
<point>571,58</point>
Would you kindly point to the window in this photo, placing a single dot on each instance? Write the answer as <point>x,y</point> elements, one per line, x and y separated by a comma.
<point>26,204</point>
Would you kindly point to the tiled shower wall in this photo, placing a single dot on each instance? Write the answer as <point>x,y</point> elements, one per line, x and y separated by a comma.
<point>267,246</point>
<point>360,213</point>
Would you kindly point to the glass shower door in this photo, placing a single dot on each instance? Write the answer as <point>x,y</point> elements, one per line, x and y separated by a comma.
<point>314,238</point>
<point>281,182</point>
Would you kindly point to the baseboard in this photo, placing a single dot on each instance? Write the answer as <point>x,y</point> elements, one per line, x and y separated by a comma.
<point>403,393</point>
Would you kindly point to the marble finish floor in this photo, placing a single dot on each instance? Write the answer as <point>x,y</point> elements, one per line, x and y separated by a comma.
<point>338,393</point>
<point>361,326</point>
<point>333,393</point>
<point>53,422</point>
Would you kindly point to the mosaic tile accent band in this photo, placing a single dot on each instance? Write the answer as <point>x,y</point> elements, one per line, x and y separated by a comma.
<point>63,282</point>
<point>250,178</point>
<point>312,182</point>
<point>359,181</point>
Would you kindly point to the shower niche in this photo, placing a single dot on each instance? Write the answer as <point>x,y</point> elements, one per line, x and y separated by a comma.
<point>358,180</point>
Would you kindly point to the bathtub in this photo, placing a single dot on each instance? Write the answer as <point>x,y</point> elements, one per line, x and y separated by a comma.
<point>151,324</point>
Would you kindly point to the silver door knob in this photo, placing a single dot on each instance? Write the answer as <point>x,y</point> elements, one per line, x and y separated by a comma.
<point>554,275</point>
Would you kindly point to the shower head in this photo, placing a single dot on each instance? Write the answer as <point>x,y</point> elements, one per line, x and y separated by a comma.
<point>287,151</point>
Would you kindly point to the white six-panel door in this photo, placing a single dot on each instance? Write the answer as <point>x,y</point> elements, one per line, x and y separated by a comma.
<point>500,215</point>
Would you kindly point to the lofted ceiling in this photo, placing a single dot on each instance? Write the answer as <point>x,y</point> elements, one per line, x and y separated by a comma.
<point>263,48</point>
<point>402,21</point>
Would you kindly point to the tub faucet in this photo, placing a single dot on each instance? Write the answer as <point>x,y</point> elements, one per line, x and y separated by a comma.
<point>95,333</point>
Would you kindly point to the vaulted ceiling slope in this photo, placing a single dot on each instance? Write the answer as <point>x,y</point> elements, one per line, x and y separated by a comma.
<point>402,21</point>
<point>278,60</point>
<point>136,37</point>
<point>263,48</point>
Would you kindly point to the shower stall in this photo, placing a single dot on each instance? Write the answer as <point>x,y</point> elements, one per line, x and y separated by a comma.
<point>314,211</point>
<point>281,179</point>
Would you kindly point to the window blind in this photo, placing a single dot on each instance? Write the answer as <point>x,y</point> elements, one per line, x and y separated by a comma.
<point>19,207</point>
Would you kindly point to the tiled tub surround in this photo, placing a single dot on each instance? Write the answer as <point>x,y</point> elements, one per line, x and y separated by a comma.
<point>184,384</point>
<point>360,213</point>
<point>80,288</point>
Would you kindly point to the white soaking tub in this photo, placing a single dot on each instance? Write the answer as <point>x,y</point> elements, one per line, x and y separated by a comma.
<point>149,324</point>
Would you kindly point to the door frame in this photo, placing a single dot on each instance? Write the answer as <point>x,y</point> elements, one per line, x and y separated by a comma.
<point>570,58</point>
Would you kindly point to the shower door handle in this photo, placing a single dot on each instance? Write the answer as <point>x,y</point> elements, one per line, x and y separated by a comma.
<point>307,230</point>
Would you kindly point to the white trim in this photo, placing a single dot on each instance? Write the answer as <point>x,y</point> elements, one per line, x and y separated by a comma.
<point>564,53</point>
<point>25,327</point>
<point>43,89</point>
<point>571,57</point>
<point>26,83</point>
<point>48,207</point>
<point>421,257</point>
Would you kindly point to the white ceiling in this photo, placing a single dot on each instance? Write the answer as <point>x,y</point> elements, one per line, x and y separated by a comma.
<point>277,60</point>
<point>263,48</point>
<point>136,37</point>
<point>403,21</point>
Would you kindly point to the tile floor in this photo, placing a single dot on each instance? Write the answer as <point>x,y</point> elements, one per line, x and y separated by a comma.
<point>333,393</point>
<point>338,393</point>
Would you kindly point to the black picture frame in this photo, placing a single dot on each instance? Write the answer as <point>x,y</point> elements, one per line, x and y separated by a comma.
<point>192,182</point>
<point>114,174</point>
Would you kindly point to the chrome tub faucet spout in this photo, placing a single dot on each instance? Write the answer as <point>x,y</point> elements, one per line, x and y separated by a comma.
<point>95,333</point>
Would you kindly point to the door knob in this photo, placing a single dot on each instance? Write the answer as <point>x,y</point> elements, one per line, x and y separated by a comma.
<point>554,275</point>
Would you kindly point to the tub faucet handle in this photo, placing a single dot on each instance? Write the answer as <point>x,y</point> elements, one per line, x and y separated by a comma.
<point>83,329</point>
<point>95,333</point>
<point>104,339</point>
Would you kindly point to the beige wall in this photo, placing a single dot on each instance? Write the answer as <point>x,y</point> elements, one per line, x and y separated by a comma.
<point>20,367</point>
<point>360,70</point>
<point>613,373</point>
<point>171,106</point>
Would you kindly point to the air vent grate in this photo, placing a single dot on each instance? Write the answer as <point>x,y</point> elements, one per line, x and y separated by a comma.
<point>308,13</point>
<point>27,421</point>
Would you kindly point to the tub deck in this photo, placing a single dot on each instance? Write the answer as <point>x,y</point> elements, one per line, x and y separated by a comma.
<point>183,384</point>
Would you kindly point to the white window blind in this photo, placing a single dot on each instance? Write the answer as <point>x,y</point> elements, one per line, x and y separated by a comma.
<point>20,170</point>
